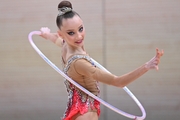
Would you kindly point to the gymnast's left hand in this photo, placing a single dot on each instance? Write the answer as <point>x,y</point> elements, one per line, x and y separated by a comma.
<point>154,62</point>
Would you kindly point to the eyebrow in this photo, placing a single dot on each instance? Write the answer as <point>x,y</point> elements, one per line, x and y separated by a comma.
<point>72,29</point>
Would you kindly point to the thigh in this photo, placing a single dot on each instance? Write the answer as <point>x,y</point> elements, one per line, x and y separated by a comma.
<point>88,116</point>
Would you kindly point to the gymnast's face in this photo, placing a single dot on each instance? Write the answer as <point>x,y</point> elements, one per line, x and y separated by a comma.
<point>73,31</point>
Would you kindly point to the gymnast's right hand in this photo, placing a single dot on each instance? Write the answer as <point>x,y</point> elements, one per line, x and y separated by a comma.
<point>54,37</point>
<point>45,32</point>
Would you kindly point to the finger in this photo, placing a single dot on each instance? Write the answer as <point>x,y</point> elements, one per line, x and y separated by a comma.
<point>42,29</point>
<point>157,68</point>
<point>162,52</point>
<point>157,49</point>
<point>157,52</point>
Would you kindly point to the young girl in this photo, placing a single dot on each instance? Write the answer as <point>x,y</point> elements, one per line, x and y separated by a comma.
<point>79,67</point>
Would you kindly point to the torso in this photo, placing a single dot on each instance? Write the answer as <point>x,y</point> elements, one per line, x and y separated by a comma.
<point>77,98</point>
<point>78,101</point>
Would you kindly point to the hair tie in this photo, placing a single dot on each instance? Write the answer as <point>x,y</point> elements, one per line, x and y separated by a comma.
<point>64,10</point>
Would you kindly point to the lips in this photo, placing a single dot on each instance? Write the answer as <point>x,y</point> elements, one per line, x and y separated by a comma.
<point>79,42</point>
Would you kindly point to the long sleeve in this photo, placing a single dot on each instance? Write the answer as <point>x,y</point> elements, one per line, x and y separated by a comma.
<point>85,68</point>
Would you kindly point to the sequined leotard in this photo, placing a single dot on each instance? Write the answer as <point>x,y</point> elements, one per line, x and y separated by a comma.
<point>81,69</point>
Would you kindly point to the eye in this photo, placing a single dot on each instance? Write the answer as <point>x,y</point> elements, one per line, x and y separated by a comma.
<point>70,33</point>
<point>81,29</point>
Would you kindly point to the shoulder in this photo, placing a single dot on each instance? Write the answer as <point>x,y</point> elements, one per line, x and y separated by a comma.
<point>83,66</point>
<point>82,62</point>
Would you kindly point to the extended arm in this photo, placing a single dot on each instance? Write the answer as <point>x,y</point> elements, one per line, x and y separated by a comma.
<point>83,68</point>
<point>128,78</point>
<point>54,37</point>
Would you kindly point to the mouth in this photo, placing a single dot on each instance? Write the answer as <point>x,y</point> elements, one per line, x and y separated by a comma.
<point>79,42</point>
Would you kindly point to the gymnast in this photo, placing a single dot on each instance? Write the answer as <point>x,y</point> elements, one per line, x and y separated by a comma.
<point>78,66</point>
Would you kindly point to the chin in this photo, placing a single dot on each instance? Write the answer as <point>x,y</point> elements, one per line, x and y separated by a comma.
<point>81,44</point>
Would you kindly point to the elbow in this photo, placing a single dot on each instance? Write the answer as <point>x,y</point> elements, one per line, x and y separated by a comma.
<point>118,82</point>
<point>121,85</point>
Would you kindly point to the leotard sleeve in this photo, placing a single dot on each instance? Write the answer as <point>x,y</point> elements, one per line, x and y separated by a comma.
<point>85,68</point>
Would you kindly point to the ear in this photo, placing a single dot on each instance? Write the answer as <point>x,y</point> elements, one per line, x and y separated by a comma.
<point>60,33</point>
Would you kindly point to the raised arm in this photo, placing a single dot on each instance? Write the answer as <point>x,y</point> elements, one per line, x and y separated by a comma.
<point>54,37</point>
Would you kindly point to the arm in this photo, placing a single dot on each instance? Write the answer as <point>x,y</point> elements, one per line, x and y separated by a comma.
<point>128,78</point>
<point>86,69</point>
<point>54,37</point>
<point>121,81</point>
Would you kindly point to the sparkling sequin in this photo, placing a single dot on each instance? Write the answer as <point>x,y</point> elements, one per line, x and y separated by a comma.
<point>78,101</point>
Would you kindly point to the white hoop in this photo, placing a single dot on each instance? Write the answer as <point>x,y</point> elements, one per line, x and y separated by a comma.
<point>86,91</point>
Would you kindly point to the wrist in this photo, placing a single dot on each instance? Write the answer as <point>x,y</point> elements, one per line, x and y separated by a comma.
<point>146,66</point>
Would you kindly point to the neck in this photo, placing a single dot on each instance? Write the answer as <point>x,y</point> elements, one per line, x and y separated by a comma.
<point>76,50</point>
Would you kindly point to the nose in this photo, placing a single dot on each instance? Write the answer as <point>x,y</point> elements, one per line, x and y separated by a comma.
<point>79,36</point>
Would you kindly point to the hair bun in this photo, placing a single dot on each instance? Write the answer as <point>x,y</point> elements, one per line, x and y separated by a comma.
<point>65,4</point>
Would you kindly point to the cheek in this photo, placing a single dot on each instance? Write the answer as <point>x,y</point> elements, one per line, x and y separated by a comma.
<point>70,38</point>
